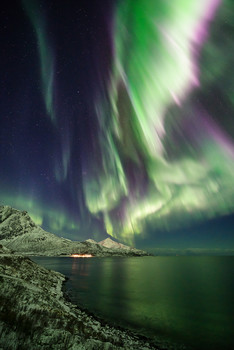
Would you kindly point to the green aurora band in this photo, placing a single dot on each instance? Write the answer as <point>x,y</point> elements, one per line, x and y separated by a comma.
<point>161,155</point>
<point>164,160</point>
<point>37,18</point>
<point>34,12</point>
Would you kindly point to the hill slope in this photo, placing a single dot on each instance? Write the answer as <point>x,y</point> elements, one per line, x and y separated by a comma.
<point>19,233</point>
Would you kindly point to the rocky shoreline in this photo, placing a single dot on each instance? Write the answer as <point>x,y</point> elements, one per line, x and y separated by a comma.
<point>35,313</point>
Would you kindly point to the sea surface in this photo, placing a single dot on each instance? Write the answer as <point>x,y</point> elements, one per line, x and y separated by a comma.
<point>182,299</point>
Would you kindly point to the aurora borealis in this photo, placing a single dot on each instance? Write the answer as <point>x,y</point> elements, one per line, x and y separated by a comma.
<point>118,117</point>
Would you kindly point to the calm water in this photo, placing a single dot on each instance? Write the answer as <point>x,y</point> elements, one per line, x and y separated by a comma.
<point>183,299</point>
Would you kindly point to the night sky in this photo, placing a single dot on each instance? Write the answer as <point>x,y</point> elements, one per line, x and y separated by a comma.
<point>117,118</point>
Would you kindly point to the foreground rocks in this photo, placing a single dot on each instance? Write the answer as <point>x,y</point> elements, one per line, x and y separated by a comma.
<point>35,315</point>
<point>19,233</point>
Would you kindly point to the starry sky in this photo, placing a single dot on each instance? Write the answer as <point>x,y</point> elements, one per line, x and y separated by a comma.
<point>117,118</point>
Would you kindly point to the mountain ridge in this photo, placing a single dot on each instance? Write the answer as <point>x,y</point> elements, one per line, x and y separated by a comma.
<point>19,233</point>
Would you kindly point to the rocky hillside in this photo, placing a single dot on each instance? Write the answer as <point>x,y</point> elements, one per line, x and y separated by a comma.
<point>19,233</point>
<point>35,315</point>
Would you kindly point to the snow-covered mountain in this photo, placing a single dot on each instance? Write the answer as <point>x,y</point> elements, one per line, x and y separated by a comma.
<point>19,233</point>
<point>116,246</point>
<point>109,243</point>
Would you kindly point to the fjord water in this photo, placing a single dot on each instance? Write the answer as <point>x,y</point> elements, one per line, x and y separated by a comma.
<point>182,299</point>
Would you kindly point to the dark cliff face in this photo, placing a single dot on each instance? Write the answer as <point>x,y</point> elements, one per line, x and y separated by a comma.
<point>19,233</point>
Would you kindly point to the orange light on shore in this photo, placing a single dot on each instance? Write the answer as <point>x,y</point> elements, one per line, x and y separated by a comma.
<point>81,255</point>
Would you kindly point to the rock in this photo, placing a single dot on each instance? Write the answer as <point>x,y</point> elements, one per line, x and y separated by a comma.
<point>4,250</point>
<point>91,241</point>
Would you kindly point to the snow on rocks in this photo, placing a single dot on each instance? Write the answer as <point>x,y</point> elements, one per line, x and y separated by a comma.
<point>35,315</point>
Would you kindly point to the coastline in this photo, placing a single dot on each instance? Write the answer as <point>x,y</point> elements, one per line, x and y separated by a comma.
<point>36,313</point>
<point>155,343</point>
<point>102,321</point>
<point>152,343</point>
